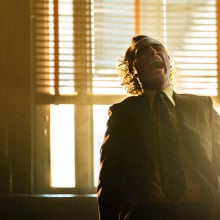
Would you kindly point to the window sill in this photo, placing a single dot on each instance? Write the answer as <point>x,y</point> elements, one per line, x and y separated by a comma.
<point>49,206</point>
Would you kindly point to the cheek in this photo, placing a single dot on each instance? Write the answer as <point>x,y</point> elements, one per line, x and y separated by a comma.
<point>168,67</point>
<point>141,65</point>
<point>167,63</point>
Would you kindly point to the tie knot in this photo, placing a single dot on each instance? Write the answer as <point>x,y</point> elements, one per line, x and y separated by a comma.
<point>159,96</point>
<point>161,99</point>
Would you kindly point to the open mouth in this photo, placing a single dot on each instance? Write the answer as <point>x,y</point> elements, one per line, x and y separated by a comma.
<point>156,64</point>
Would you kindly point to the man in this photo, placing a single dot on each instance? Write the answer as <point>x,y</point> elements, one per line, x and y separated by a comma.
<point>161,155</point>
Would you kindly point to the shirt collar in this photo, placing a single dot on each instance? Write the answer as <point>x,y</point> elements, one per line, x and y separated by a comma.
<point>168,91</point>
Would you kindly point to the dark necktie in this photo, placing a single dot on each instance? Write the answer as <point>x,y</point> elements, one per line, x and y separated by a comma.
<point>169,148</point>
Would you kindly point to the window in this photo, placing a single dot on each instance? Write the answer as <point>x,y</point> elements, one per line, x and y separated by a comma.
<point>76,45</point>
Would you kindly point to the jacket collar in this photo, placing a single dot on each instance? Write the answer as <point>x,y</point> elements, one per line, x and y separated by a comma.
<point>168,91</point>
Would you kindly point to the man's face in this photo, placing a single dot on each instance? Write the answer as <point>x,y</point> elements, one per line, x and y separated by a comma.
<point>152,64</point>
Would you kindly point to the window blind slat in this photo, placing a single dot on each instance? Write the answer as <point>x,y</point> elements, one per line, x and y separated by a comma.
<point>92,35</point>
<point>191,36</point>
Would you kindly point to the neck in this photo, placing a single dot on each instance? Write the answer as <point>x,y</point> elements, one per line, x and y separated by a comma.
<point>149,95</point>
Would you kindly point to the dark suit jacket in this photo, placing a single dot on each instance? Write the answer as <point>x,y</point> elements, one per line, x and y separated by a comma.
<point>127,160</point>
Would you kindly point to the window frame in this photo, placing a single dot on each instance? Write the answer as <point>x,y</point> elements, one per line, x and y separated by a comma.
<point>83,102</point>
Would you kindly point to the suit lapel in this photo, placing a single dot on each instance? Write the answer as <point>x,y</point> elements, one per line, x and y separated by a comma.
<point>189,112</point>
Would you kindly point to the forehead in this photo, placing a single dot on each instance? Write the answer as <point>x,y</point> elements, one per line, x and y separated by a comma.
<point>146,43</point>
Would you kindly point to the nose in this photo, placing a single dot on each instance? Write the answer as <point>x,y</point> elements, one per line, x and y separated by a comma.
<point>153,51</point>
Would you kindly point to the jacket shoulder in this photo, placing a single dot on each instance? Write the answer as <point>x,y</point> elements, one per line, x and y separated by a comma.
<point>193,99</point>
<point>127,103</point>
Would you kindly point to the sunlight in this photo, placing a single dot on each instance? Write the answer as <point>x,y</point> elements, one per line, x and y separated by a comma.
<point>100,116</point>
<point>165,22</point>
<point>218,109</point>
<point>65,45</point>
<point>62,146</point>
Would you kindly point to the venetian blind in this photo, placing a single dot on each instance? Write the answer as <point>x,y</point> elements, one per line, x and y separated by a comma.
<point>63,46</point>
<point>192,38</point>
<point>188,29</point>
<point>77,43</point>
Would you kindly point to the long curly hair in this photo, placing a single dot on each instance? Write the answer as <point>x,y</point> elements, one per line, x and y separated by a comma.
<point>126,67</point>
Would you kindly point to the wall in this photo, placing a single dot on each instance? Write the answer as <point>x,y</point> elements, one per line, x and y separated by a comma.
<point>15,70</point>
<point>16,127</point>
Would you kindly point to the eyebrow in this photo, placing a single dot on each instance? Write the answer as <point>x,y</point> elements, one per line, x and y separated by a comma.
<point>158,45</point>
<point>145,47</point>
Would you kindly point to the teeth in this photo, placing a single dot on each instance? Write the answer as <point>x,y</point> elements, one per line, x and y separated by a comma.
<point>156,64</point>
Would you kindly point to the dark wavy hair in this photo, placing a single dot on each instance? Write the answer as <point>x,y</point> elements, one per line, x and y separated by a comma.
<point>126,67</point>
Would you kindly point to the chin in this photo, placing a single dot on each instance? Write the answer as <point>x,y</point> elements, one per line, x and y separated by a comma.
<point>154,84</point>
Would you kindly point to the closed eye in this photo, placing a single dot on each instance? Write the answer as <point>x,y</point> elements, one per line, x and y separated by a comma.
<point>158,47</point>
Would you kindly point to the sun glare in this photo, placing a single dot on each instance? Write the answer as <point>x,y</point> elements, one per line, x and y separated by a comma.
<point>62,140</point>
